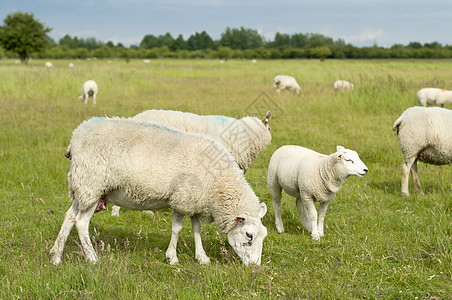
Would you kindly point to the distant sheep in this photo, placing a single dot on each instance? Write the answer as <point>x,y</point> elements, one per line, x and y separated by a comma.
<point>310,177</point>
<point>48,64</point>
<point>434,96</point>
<point>71,65</point>
<point>144,166</point>
<point>282,82</point>
<point>89,89</point>
<point>343,85</point>
<point>424,134</point>
<point>245,138</point>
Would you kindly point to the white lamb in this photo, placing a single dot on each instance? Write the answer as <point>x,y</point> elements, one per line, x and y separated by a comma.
<point>281,82</point>
<point>48,64</point>
<point>434,96</point>
<point>144,166</point>
<point>245,138</point>
<point>310,177</point>
<point>89,89</point>
<point>343,85</point>
<point>424,134</point>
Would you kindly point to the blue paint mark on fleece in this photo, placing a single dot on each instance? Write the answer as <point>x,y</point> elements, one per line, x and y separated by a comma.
<point>222,120</point>
<point>97,118</point>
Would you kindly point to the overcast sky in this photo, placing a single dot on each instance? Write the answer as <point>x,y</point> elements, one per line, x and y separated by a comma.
<point>359,22</point>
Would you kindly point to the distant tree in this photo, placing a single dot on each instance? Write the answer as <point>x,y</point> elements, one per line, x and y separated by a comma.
<point>321,52</point>
<point>180,43</point>
<point>415,45</point>
<point>149,41</point>
<point>23,35</point>
<point>200,41</point>
<point>241,38</point>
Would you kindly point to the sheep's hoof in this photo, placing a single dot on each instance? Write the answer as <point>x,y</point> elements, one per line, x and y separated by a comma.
<point>203,260</point>
<point>172,260</point>
<point>316,237</point>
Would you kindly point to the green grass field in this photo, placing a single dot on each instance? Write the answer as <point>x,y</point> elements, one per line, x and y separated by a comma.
<point>377,244</point>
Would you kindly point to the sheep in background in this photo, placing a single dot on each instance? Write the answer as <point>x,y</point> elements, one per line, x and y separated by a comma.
<point>434,96</point>
<point>144,166</point>
<point>89,89</point>
<point>245,138</point>
<point>281,82</point>
<point>424,134</point>
<point>310,177</point>
<point>343,85</point>
<point>48,64</point>
<point>71,65</point>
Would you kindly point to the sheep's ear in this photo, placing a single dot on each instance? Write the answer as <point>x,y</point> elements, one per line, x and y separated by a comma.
<point>267,118</point>
<point>340,149</point>
<point>262,210</point>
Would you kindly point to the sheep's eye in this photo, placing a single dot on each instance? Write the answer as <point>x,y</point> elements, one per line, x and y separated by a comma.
<point>349,160</point>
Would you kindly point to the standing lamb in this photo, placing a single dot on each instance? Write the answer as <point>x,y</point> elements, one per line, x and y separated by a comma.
<point>281,82</point>
<point>144,166</point>
<point>424,134</point>
<point>89,89</point>
<point>434,96</point>
<point>310,177</point>
<point>245,138</point>
<point>343,85</point>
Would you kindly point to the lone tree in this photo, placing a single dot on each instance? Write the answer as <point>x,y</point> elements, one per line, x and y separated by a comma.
<point>23,35</point>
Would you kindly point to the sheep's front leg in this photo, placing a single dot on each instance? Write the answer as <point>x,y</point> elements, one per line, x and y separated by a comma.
<point>406,167</point>
<point>69,221</point>
<point>115,211</point>
<point>303,213</point>
<point>322,213</point>
<point>309,207</point>
<point>200,254</point>
<point>176,228</point>
<point>94,99</point>
<point>82,223</point>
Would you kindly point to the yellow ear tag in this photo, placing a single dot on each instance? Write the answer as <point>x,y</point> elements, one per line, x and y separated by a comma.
<point>338,158</point>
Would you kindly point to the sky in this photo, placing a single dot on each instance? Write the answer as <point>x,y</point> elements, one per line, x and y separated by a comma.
<point>359,22</point>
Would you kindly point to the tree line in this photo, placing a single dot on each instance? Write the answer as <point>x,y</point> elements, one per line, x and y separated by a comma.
<point>234,43</point>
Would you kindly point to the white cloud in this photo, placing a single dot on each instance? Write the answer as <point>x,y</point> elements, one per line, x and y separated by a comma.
<point>367,36</point>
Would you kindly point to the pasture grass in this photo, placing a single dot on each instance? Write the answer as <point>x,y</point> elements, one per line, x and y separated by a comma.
<point>378,245</point>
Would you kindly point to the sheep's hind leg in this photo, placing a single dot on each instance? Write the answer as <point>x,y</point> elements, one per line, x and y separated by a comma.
<point>200,254</point>
<point>276,195</point>
<point>176,228</point>
<point>82,223</point>
<point>69,221</point>
<point>417,183</point>
<point>303,213</point>
<point>115,211</point>
<point>406,167</point>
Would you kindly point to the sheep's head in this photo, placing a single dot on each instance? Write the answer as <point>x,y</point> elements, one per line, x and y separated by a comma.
<point>247,236</point>
<point>350,161</point>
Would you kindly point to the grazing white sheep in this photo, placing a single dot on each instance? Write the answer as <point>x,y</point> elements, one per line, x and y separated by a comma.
<point>144,166</point>
<point>245,138</point>
<point>89,89</point>
<point>71,65</point>
<point>310,177</point>
<point>343,85</point>
<point>48,64</point>
<point>424,134</point>
<point>434,96</point>
<point>281,82</point>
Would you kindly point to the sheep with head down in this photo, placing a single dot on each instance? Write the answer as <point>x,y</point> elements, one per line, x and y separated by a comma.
<point>424,134</point>
<point>434,96</point>
<point>89,89</point>
<point>310,177</point>
<point>286,82</point>
<point>143,166</point>
<point>245,138</point>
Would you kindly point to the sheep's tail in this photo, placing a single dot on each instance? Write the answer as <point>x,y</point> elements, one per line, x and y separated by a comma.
<point>68,152</point>
<point>396,125</point>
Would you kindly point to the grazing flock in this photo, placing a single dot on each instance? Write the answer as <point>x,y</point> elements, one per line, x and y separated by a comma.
<point>196,164</point>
